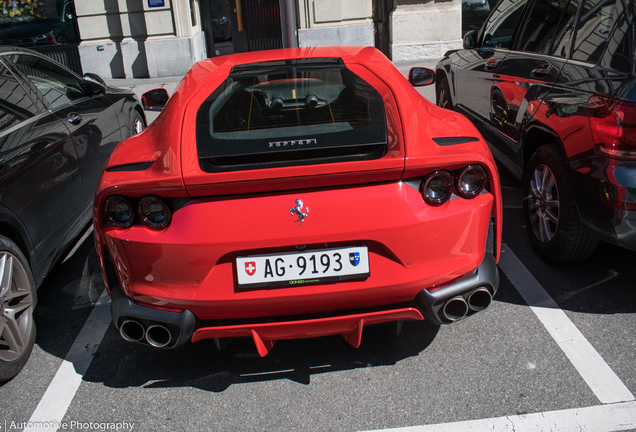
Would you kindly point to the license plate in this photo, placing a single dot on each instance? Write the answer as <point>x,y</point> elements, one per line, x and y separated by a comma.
<point>298,268</point>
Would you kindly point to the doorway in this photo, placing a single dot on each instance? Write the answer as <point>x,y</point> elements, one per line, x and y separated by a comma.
<point>234,26</point>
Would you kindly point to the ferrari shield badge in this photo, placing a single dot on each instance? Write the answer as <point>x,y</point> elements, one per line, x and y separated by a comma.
<point>354,258</point>
<point>250,268</point>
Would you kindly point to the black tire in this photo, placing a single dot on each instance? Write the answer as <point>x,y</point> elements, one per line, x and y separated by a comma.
<point>17,302</point>
<point>443,95</point>
<point>138,123</point>
<point>552,222</point>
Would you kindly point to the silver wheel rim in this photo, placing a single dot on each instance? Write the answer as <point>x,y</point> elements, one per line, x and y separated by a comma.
<point>16,303</point>
<point>544,203</point>
<point>139,125</point>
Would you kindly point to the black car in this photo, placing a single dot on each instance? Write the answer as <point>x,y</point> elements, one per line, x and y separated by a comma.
<point>551,85</point>
<point>56,132</point>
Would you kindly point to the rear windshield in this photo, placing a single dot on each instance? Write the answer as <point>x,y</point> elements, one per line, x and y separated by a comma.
<point>295,112</point>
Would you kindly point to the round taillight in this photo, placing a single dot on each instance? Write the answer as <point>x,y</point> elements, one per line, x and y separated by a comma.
<point>154,213</point>
<point>470,181</point>
<point>437,188</point>
<point>118,212</point>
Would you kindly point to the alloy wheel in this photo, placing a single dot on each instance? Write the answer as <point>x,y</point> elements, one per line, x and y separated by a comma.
<point>138,125</point>
<point>443,95</point>
<point>16,308</point>
<point>544,203</point>
<point>443,99</point>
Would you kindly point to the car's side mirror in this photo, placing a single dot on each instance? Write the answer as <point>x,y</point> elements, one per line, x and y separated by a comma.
<point>155,100</point>
<point>470,40</point>
<point>421,76</point>
<point>94,83</point>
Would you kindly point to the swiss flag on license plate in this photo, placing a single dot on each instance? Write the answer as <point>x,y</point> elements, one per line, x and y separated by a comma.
<point>250,268</point>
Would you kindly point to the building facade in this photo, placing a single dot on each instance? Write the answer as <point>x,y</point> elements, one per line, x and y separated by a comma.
<point>156,38</point>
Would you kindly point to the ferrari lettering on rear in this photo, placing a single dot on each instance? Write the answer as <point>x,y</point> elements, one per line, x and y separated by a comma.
<point>291,143</point>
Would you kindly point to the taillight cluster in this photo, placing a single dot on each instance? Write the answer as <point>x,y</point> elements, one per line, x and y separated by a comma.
<point>468,182</point>
<point>613,124</point>
<point>152,211</point>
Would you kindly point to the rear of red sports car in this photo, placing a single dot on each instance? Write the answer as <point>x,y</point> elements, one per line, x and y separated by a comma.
<point>297,193</point>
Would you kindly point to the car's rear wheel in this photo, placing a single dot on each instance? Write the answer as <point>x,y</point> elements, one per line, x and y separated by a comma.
<point>138,123</point>
<point>17,301</point>
<point>443,94</point>
<point>552,222</point>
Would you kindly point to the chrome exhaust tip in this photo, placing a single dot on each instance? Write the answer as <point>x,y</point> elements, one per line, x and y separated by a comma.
<point>132,331</point>
<point>158,336</point>
<point>479,299</point>
<point>455,308</point>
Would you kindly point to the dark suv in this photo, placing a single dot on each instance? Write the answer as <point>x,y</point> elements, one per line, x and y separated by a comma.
<point>551,85</point>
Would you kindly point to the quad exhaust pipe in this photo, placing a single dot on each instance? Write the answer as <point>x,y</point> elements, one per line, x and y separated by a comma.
<point>455,308</point>
<point>132,331</point>
<point>156,335</point>
<point>479,299</point>
<point>458,307</point>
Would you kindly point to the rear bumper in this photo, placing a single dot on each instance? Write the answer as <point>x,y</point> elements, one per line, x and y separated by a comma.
<point>426,305</point>
<point>180,324</point>
<point>192,264</point>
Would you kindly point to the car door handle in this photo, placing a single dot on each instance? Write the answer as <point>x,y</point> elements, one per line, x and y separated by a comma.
<point>541,71</point>
<point>491,65</point>
<point>74,118</point>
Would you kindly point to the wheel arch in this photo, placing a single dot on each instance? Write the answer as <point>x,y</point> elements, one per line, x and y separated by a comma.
<point>443,72</point>
<point>12,228</point>
<point>11,232</point>
<point>537,136</point>
<point>141,112</point>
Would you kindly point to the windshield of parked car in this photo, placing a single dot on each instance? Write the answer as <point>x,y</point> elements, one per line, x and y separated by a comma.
<point>290,112</point>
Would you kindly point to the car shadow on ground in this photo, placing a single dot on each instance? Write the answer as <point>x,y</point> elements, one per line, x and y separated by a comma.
<point>201,365</point>
<point>68,295</point>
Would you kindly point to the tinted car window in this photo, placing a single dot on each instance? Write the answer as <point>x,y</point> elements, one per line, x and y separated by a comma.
<point>563,36</point>
<point>15,104</point>
<point>502,23</point>
<point>605,34</point>
<point>541,25</point>
<point>57,86</point>
<point>289,114</point>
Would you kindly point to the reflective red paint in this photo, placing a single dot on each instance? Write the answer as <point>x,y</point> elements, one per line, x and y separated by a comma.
<point>191,264</point>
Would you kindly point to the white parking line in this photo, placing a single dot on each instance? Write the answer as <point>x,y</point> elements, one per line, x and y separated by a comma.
<point>58,396</point>
<point>602,418</point>
<point>79,243</point>
<point>605,384</point>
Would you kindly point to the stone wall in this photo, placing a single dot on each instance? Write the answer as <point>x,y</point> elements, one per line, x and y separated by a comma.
<point>130,39</point>
<point>335,22</point>
<point>425,29</point>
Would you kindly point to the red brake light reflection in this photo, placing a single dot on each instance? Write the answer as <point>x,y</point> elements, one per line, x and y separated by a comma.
<point>613,124</point>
